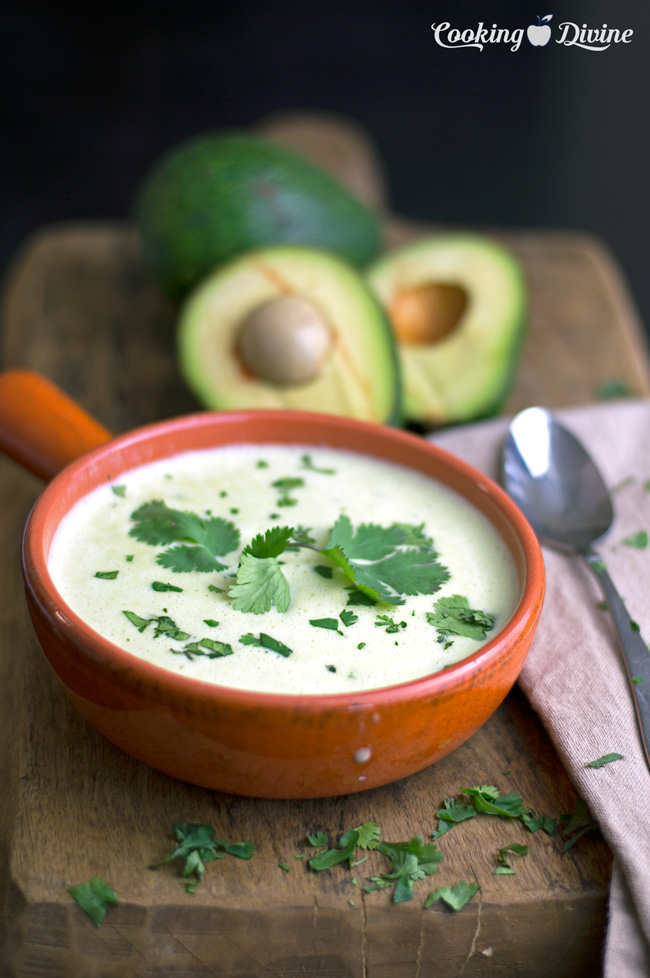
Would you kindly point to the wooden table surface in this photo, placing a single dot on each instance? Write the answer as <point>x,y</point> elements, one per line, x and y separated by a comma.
<point>79,306</point>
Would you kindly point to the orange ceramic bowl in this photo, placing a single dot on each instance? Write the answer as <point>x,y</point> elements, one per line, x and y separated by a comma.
<point>263,744</point>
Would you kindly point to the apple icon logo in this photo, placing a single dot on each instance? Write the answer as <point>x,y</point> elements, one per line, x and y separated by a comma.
<point>539,34</point>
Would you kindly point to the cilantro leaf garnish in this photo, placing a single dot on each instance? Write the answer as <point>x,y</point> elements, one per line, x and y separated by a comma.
<point>119,490</point>
<point>371,557</point>
<point>267,642</point>
<point>453,616</point>
<point>260,584</point>
<point>605,759</point>
<point>197,846</point>
<point>163,625</point>
<point>107,575</point>
<point>193,542</point>
<point>94,897</point>
<point>455,896</point>
<point>272,543</point>
<point>324,571</point>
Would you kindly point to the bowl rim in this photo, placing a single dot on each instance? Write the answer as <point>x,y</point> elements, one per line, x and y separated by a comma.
<point>166,683</point>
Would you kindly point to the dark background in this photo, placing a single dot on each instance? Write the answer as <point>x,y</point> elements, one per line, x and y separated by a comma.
<point>551,137</point>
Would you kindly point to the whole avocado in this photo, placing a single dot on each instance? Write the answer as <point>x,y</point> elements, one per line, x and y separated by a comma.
<point>221,194</point>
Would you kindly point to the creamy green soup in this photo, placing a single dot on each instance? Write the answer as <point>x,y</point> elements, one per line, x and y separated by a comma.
<point>285,569</point>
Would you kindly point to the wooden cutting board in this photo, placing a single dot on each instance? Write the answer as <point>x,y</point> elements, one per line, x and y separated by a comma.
<point>79,306</point>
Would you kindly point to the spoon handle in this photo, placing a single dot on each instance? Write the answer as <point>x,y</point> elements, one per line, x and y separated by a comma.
<point>635,651</point>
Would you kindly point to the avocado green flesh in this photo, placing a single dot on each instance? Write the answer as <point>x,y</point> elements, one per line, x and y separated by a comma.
<point>219,195</point>
<point>468,373</point>
<point>361,376</point>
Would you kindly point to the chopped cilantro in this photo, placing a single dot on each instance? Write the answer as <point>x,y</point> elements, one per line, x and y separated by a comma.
<point>605,759</point>
<point>361,645</point>
<point>261,464</point>
<point>574,825</point>
<point>309,465</point>
<point>487,799</point>
<point>409,861</point>
<point>266,642</point>
<point>208,647</point>
<point>348,617</point>
<point>455,896</point>
<point>331,623</point>
<point>504,868</point>
<point>611,389</point>
<point>319,838</point>
<point>215,589</point>
<point>119,490</point>
<point>197,846</point>
<point>331,668</point>
<point>452,813</point>
<point>638,540</point>
<point>129,558</point>
<point>193,543</point>
<point>384,621</point>
<point>137,621</point>
<point>107,575</point>
<point>324,571</point>
<point>211,622</point>
<point>453,616</point>
<point>94,897</point>
<point>284,867</point>
<point>284,486</point>
<point>638,679</point>
<point>160,586</point>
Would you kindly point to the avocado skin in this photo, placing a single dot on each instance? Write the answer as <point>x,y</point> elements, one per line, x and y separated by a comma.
<point>218,195</point>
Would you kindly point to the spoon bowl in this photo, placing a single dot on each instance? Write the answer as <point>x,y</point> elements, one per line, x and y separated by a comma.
<point>548,473</point>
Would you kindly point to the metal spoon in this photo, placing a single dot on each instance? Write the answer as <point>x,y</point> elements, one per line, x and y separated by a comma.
<point>557,486</point>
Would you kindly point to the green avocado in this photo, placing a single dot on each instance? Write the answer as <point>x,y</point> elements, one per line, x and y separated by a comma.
<point>221,194</point>
<point>289,327</point>
<point>457,304</point>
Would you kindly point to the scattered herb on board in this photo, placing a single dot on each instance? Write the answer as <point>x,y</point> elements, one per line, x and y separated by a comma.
<point>197,846</point>
<point>574,825</point>
<point>94,897</point>
<point>455,897</point>
<point>638,679</point>
<point>612,389</point>
<point>605,759</point>
<point>504,868</point>
<point>193,543</point>
<point>409,861</point>
<point>376,559</point>
<point>638,540</point>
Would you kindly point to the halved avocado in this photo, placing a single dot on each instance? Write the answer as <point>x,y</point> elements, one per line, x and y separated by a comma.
<point>290,327</point>
<point>457,303</point>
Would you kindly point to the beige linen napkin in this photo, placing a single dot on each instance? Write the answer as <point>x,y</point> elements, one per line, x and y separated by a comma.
<point>574,677</point>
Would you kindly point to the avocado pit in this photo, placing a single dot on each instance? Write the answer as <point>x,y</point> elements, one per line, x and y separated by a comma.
<point>285,341</point>
<point>427,313</point>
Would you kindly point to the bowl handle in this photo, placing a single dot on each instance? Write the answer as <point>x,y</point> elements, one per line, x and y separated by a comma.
<point>41,427</point>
